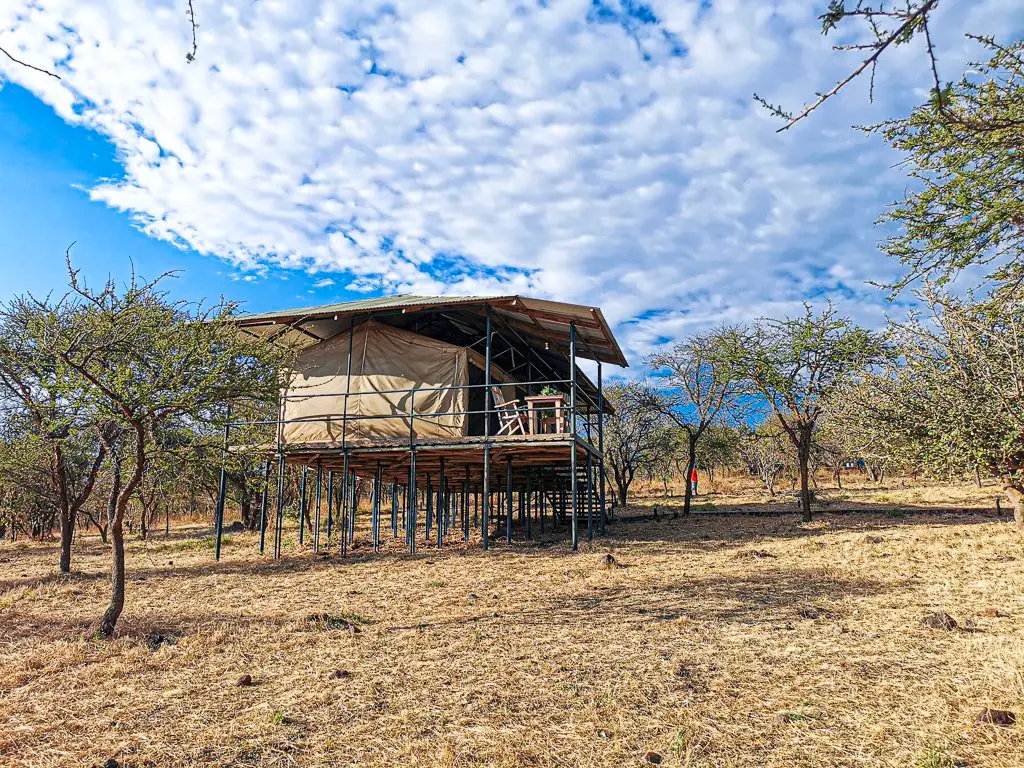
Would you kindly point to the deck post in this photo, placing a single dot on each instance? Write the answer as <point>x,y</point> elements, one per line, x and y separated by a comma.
<point>529,511</point>
<point>319,501</point>
<point>508,500</point>
<point>410,525</point>
<point>263,504</point>
<point>441,506</point>
<point>375,509</point>
<point>279,517</point>
<point>572,433</point>
<point>590,497</point>
<point>465,508</point>
<point>302,507</point>
<point>600,448</point>
<point>353,508</point>
<point>487,431</point>
<point>343,521</point>
<point>223,488</point>
<point>330,504</point>
<point>429,502</point>
<point>394,509</point>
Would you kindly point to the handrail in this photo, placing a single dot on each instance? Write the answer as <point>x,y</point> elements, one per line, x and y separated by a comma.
<point>444,388</point>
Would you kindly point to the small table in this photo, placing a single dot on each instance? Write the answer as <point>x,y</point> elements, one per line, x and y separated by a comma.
<point>541,424</point>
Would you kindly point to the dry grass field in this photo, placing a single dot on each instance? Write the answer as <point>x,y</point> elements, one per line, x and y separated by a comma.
<point>712,641</point>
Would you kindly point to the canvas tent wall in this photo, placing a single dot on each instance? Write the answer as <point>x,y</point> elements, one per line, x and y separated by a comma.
<point>393,370</point>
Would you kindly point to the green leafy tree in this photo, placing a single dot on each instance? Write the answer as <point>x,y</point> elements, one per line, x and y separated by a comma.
<point>958,392</point>
<point>966,153</point>
<point>146,361</point>
<point>635,439</point>
<point>698,390</point>
<point>37,392</point>
<point>795,365</point>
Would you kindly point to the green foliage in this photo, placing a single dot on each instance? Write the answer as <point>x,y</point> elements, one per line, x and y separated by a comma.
<point>957,393</point>
<point>795,365</point>
<point>964,147</point>
<point>635,436</point>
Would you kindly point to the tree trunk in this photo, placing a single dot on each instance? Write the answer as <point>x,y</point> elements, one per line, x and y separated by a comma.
<point>1015,493</point>
<point>872,475</point>
<point>977,475</point>
<point>108,621</point>
<point>67,522</point>
<point>67,534</point>
<point>115,526</point>
<point>803,460</point>
<point>839,478</point>
<point>250,521</point>
<point>691,460</point>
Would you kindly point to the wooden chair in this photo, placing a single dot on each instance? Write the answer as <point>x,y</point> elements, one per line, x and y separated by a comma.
<point>510,414</point>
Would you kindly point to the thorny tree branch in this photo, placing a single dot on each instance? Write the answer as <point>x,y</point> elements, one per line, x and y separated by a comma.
<point>191,55</point>
<point>914,20</point>
<point>29,66</point>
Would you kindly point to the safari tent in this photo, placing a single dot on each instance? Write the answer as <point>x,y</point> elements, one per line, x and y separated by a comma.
<point>400,384</point>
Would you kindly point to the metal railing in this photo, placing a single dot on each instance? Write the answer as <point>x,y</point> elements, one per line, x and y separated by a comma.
<point>581,421</point>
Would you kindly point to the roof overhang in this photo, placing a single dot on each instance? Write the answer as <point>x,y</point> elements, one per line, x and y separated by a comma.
<point>546,322</point>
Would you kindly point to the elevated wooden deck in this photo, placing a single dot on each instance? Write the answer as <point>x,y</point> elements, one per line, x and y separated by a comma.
<point>463,457</point>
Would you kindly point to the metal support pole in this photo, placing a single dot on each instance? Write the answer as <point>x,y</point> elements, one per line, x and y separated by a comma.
<point>263,504</point>
<point>485,495</point>
<point>508,500</point>
<point>487,429</point>
<point>375,509</point>
<point>330,504</point>
<point>394,509</point>
<point>529,512</point>
<point>410,526</point>
<point>353,506</point>
<point>223,489</point>
<point>600,446</point>
<point>430,508</point>
<point>302,507</point>
<point>572,431</point>
<point>279,517</point>
<point>344,505</point>
<point>465,508</point>
<point>442,505</point>
<point>590,497</point>
<point>319,500</point>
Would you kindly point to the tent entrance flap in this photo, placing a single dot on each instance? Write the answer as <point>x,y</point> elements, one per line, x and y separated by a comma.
<point>395,373</point>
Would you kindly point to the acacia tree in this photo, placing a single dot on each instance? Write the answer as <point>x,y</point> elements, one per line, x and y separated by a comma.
<point>35,388</point>
<point>635,439</point>
<point>958,393</point>
<point>698,390</point>
<point>764,451</point>
<point>795,365</point>
<point>962,145</point>
<point>146,360</point>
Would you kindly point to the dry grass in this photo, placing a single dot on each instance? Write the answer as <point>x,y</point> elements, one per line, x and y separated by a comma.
<point>715,641</point>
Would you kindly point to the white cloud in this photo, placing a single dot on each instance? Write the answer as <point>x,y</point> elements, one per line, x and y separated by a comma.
<point>466,146</point>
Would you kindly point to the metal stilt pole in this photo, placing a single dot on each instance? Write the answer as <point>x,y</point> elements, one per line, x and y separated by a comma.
<point>319,501</point>
<point>302,507</point>
<point>263,504</point>
<point>330,504</point>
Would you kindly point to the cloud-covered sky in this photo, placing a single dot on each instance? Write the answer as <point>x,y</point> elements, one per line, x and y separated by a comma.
<point>598,151</point>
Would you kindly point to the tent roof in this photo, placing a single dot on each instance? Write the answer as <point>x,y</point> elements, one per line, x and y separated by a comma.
<point>544,321</point>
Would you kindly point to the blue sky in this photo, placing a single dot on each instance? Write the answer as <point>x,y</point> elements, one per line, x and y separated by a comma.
<point>607,152</point>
